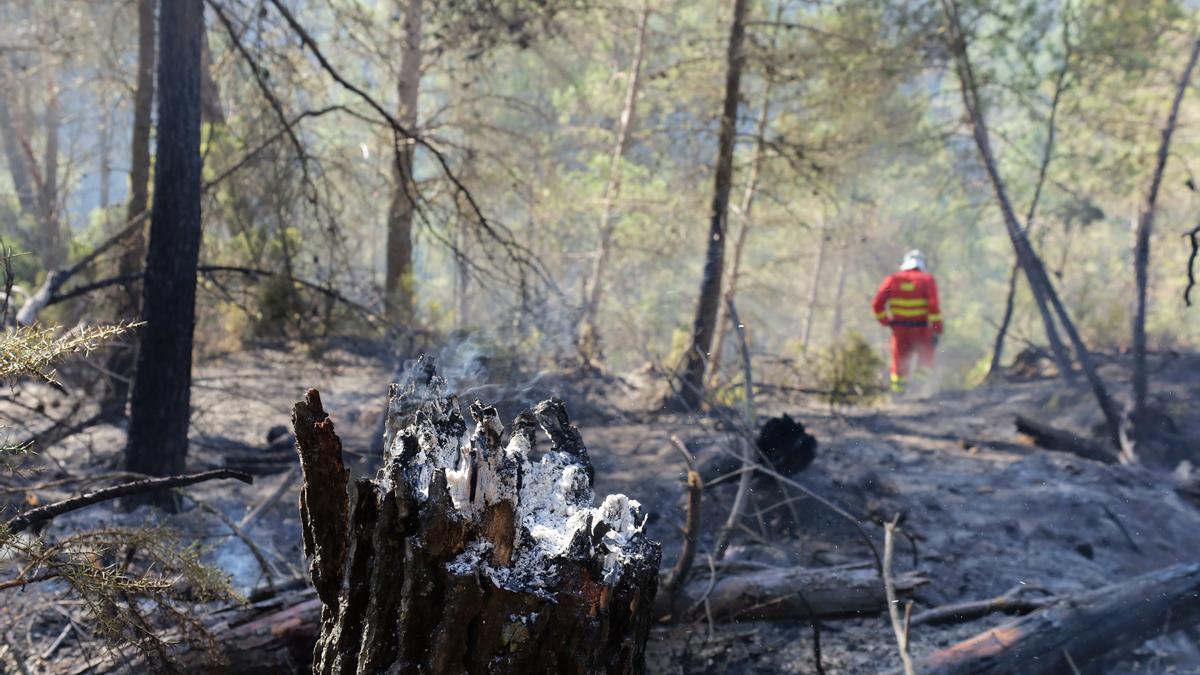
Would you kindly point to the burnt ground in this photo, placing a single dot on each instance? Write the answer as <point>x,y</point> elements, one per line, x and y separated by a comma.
<point>988,511</point>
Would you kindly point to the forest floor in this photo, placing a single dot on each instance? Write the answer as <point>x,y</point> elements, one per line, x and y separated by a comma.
<point>988,510</point>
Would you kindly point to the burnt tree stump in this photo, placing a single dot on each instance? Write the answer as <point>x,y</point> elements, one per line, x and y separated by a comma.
<point>468,554</point>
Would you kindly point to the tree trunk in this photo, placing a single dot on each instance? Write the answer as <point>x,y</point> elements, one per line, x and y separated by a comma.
<point>471,557</point>
<point>105,158</point>
<point>1061,356</point>
<point>18,166</point>
<point>53,240</point>
<point>814,285</point>
<point>1002,331</point>
<point>587,339</point>
<point>1035,272</point>
<point>1071,635</point>
<point>158,426</point>
<point>691,390</point>
<point>1141,251</point>
<point>838,320</point>
<point>399,287</point>
<point>739,242</point>
<point>127,303</point>
<point>36,187</point>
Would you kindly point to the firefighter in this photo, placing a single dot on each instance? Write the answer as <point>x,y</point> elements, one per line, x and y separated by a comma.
<point>907,302</point>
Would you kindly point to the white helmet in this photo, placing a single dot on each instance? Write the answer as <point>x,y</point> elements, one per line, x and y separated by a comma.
<point>913,260</point>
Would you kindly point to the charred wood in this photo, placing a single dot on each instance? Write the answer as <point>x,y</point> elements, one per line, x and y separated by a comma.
<point>1052,438</point>
<point>790,594</point>
<point>1081,631</point>
<point>467,556</point>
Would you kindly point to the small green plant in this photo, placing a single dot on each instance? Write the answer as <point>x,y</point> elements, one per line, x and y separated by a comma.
<point>279,307</point>
<point>848,372</point>
<point>28,351</point>
<point>139,584</point>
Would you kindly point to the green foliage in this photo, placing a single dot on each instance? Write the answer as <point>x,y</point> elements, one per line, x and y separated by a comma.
<point>278,306</point>
<point>143,601</point>
<point>140,602</point>
<point>28,351</point>
<point>848,373</point>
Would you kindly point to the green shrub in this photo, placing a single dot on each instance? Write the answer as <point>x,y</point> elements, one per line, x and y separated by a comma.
<point>848,373</point>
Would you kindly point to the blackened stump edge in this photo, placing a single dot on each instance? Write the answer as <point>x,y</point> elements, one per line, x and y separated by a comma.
<point>465,555</point>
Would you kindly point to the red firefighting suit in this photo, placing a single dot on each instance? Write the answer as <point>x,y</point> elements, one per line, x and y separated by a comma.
<point>907,302</point>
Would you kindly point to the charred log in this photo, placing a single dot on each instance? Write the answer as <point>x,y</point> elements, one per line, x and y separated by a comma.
<point>788,593</point>
<point>1052,438</point>
<point>1082,631</point>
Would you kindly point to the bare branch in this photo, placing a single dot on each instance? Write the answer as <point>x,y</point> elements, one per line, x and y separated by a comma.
<point>50,511</point>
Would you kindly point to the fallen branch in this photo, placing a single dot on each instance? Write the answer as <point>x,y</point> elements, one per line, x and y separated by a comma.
<point>1009,603</point>
<point>1083,630</point>
<point>248,522</point>
<point>1051,438</point>
<point>275,635</point>
<point>48,512</point>
<point>775,594</point>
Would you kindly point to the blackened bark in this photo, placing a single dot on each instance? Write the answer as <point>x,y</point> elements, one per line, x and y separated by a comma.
<point>691,389</point>
<point>739,242</point>
<point>158,425</point>
<point>461,556</point>
<point>128,297</point>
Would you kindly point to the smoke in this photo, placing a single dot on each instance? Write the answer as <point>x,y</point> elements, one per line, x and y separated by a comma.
<point>477,367</point>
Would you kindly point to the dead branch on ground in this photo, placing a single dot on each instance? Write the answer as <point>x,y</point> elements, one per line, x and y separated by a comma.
<point>1009,603</point>
<point>790,594</point>
<point>1052,438</point>
<point>1083,630</point>
<point>900,628</point>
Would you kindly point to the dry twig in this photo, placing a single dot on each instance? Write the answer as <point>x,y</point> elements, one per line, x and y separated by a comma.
<point>743,489</point>
<point>889,586</point>
<point>691,532</point>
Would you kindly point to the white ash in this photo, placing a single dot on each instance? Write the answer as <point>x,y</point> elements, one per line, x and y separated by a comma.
<point>553,503</point>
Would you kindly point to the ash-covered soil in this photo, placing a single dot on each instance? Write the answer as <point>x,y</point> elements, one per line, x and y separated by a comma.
<point>987,510</point>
